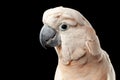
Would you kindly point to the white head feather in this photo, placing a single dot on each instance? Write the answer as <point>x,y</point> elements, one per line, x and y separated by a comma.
<point>54,14</point>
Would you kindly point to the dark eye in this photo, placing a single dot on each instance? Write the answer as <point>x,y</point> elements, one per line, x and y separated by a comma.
<point>63,27</point>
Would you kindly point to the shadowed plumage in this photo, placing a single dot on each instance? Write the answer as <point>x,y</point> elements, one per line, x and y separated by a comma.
<point>80,56</point>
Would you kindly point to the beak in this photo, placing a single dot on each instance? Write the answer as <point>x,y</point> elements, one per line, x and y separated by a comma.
<point>49,37</point>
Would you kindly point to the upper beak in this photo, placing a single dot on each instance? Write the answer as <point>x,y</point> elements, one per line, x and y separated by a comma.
<point>49,37</point>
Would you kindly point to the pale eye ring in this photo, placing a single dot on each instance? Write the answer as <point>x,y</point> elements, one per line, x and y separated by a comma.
<point>63,27</point>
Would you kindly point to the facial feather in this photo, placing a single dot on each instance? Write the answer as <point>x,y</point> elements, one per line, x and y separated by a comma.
<point>58,15</point>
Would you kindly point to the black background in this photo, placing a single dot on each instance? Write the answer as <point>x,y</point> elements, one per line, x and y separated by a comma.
<point>40,63</point>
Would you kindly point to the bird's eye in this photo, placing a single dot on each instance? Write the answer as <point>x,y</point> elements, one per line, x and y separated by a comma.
<point>63,27</point>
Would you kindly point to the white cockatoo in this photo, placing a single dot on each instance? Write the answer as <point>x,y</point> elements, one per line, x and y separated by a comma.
<point>80,56</point>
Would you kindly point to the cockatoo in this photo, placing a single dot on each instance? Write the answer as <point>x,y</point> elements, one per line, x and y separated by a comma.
<point>80,56</point>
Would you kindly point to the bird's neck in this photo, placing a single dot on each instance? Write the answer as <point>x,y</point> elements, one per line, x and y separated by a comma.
<point>70,55</point>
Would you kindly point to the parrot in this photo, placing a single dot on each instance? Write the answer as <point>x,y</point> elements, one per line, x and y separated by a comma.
<point>80,56</point>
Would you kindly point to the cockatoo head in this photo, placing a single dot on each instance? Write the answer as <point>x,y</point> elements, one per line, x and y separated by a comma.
<point>64,26</point>
<point>77,45</point>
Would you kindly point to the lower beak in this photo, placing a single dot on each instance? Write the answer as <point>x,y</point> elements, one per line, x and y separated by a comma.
<point>49,37</point>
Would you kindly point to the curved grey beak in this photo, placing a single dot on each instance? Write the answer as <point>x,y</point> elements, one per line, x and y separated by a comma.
<point>49,37</point>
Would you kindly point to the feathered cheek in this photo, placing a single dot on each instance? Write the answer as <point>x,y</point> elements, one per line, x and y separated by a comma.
<point>65,39</point>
